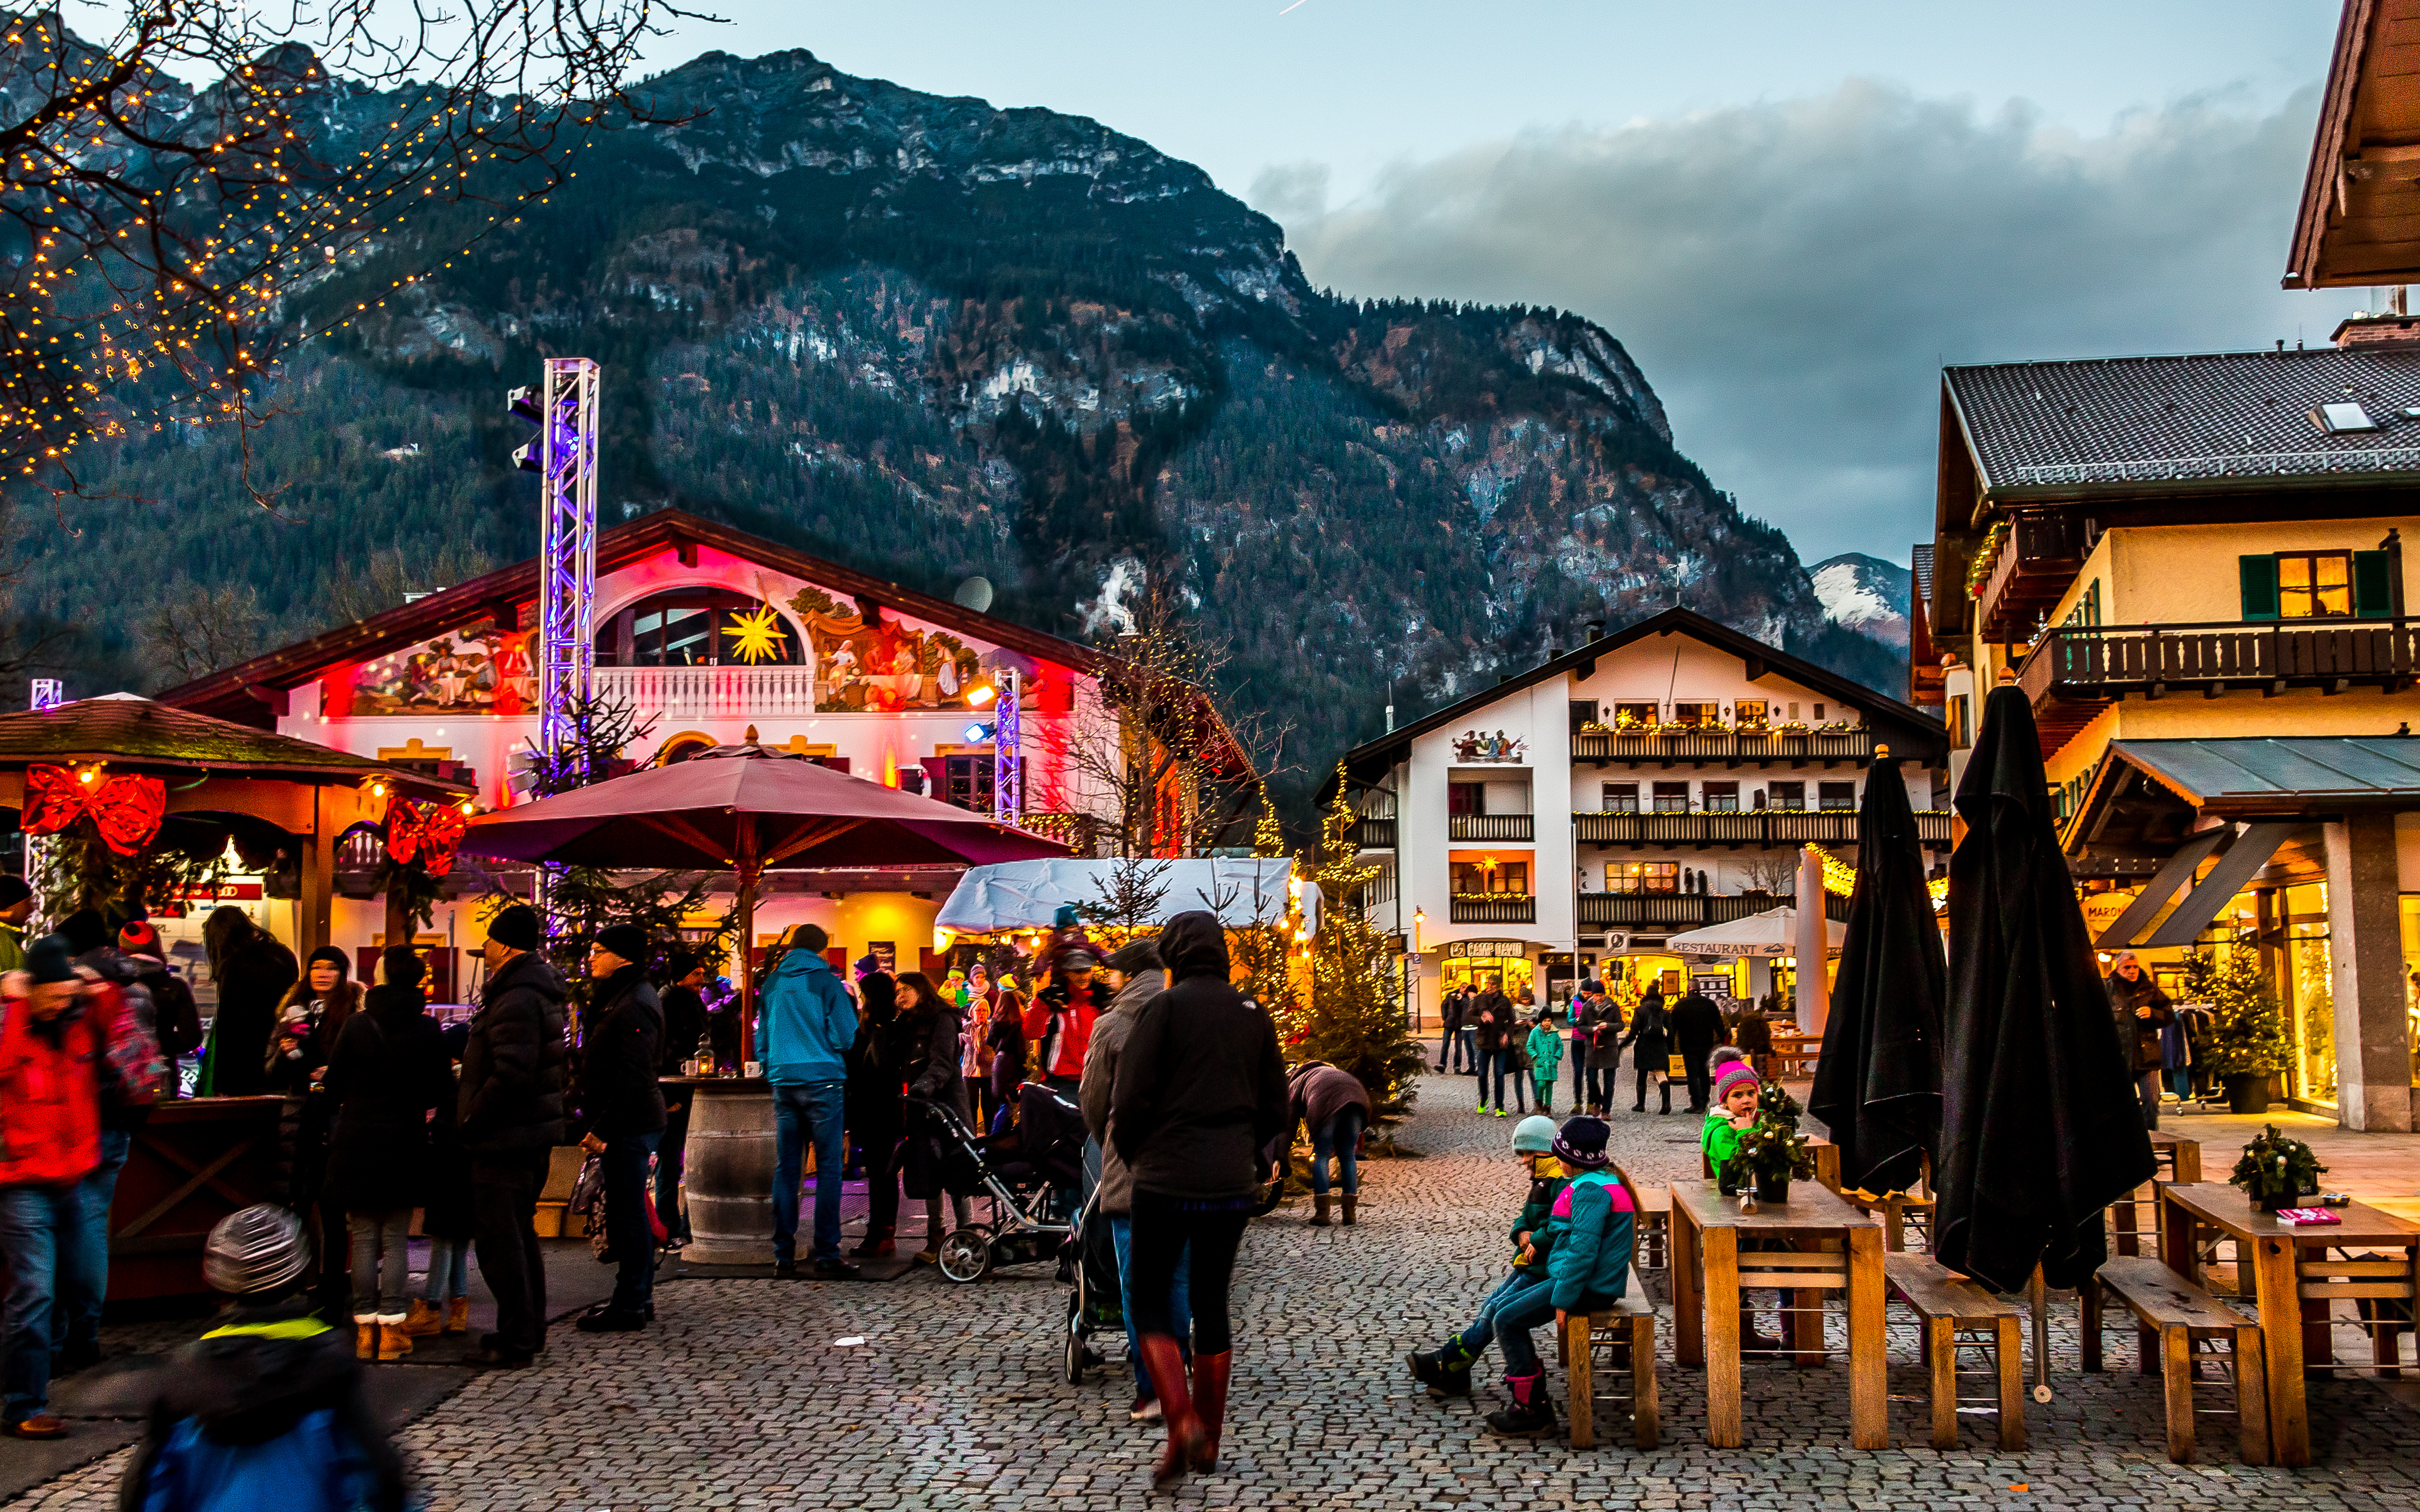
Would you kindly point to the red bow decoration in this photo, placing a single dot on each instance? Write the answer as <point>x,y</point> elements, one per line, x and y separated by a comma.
<point>126,810</point>
<point>430,833</point>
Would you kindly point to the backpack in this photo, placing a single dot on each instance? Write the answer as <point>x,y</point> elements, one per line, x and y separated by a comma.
<point>133,1070</point>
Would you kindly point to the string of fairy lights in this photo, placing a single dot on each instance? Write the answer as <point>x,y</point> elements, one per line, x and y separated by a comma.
<point>152,251</point>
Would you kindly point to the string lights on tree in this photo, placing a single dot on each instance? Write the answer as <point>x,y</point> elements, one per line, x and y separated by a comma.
<point>159,235</point>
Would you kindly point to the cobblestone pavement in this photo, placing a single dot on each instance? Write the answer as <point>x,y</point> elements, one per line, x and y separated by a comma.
<point>742,1396</point>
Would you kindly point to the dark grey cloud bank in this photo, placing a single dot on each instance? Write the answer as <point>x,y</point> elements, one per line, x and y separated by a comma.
<point>1792,275</point>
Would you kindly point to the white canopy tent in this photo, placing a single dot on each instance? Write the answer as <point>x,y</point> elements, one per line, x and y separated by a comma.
<point>1773,933</point>
<point>1025,894</point>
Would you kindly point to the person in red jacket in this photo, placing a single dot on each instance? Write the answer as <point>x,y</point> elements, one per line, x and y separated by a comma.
<point>1060,1021</point>
<point>51,1049</point>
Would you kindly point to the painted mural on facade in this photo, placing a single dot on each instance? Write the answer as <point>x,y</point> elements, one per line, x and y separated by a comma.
<point>870,660</point>
<point>479,670</point>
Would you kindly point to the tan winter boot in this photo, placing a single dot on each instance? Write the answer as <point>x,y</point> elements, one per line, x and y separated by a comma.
<point>392,1342</point>
<point>458,1316</point>
<point>365,1339</point>
<point>1319,1209</point>
<point>423,1321</point>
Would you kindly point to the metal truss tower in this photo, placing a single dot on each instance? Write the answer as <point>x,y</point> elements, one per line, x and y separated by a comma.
<point>565,458</point>
<point>1008,750</point>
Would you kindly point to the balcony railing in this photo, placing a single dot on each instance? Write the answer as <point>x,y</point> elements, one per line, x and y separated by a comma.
<point>1763,828</point>
<point>1507,909</point>
<point>711,692</point>
<point>2040,555</point>
<point>1491,826</point>
<point>1683,910</point>
<point>1373,834</point>
<point>1670,743</point>
<point>2108,661</point>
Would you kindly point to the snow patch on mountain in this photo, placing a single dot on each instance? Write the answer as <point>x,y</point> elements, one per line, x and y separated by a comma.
<point>1864,594</point>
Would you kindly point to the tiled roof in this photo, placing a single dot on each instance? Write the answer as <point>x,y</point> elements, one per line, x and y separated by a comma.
<point>138,732</point>
<point>2134,420</point>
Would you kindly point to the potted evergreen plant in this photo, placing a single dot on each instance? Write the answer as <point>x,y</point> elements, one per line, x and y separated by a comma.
<point>2276,1172</point>
<point>1770,1154</point>
<point>2247,1027</point>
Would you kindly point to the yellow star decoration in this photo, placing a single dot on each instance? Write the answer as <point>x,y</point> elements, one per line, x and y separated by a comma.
<point>757,634</point>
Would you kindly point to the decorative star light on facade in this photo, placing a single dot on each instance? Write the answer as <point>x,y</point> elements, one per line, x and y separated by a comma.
<point>756,635</point>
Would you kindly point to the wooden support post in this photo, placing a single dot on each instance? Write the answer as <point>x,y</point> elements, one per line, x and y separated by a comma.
<point>1579,1365</point>
<point>1941,1348</point>
<point>1646,1410</point>
<point>2251,1398</point>
<point>2176,1373</point>
<point>1869,1364</point>
<point>1724,1427</point>
<point>2009,1366</point>
<point>2281,1336</point>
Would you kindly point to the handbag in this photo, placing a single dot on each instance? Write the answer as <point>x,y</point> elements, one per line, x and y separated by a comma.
<point>1675,1067</point>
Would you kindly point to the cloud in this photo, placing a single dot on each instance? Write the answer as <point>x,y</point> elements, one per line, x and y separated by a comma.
<point>1791,276</point>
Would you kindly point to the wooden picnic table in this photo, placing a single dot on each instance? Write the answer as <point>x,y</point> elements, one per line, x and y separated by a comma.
<point>1833,1247</point>
<point>2292,1286</point>
<point>2174,1159</point>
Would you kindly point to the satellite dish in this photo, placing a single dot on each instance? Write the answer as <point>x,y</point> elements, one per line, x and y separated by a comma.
<point>974,593</point>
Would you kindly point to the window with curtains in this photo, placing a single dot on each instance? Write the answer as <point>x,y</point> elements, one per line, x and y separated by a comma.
<point>1642,876</point>
<point>1618,797</point>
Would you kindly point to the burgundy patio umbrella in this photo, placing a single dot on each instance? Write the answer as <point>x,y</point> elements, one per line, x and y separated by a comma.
<point>745,808</point>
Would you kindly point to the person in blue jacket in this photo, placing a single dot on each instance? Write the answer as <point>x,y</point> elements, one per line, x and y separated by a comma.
<point>1588,1270</point>
<point>806,1023</point>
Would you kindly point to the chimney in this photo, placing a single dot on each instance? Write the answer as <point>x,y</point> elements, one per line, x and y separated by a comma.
<point>1596,629</point>
<point>2395,326</point>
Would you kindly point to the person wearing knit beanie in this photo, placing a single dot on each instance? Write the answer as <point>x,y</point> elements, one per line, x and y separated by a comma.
<point>1733,1074</point>
<point>1446,1369</point>
<point>1581,1145</point>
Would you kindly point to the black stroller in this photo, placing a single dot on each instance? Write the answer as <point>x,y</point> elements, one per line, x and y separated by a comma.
<point>1097,1305</point>
<point>1018,1172</point>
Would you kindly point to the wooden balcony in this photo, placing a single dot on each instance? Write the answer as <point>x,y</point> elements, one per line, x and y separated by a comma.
<point>1507,909</point>
<point>1683,910</point>
<point>2040,556</point>
<point>1761,829</point>
<point>1672,746</point>
<point>1373,834</point>
<point>1491,826</point>
<point>711,692</point>
<point>2073,674</point>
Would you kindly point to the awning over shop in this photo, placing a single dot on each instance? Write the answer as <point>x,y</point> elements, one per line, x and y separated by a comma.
<point>1773,933</point>
<point>1025,894</point>
<point>2231,802</point>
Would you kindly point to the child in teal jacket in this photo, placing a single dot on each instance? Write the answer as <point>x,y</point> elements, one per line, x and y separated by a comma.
<point>1588,1269</point>
<point>1545,1059</point>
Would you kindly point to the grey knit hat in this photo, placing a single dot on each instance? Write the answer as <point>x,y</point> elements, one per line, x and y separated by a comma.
<point>255,1249</point>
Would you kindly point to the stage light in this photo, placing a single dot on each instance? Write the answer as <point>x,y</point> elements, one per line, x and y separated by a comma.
<point>978,733</point>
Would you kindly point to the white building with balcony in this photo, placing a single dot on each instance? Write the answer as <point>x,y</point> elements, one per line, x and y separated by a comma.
<point>1568,821</point>
<point>714,637</point>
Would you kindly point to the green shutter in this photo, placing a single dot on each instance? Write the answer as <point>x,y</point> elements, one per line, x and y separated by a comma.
<point>2373,592</point>
<point>2259,576</point>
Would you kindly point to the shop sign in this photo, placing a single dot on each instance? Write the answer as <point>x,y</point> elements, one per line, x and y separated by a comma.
<point>2101,909</point>
<point>225,892</point>
<point>1485,950</point>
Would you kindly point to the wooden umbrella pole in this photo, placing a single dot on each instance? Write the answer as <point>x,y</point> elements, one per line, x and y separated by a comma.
<point>748,871</point>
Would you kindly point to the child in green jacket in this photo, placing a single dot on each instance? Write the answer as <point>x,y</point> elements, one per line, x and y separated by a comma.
<point>1736,1084</point>
<point>1588,1270</point>
<point>1545,1057</point>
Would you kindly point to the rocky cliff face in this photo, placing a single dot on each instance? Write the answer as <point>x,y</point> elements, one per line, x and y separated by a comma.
<point>934,339</point>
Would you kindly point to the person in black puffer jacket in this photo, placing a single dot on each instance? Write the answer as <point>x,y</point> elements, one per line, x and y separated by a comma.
<point>388,1074</point>
<point>925,1037</point>
<point>874,1112</point>
<point>622,1114</point>
<point>1200,1089</point>
<point>508,1110</point>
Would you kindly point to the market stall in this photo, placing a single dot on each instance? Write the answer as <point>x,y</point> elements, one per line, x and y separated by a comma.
<point>139,777</point>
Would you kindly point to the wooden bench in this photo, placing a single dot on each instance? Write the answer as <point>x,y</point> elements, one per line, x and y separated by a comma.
<point>2172,1316</point>
<point>1950,1305</point>
<point>1627,1337</point>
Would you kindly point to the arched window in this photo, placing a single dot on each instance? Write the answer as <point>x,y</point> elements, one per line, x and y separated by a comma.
<point>698,627</point>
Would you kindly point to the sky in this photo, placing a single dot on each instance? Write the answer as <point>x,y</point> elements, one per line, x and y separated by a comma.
<point>1792,214</point>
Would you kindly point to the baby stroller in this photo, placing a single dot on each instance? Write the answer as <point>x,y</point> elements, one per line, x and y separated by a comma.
<point>1018,1171</point>
<point>1096,1306</point>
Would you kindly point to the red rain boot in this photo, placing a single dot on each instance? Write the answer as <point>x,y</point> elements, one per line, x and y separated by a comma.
<point>1210,1374</point>
<point>1164,1360</point>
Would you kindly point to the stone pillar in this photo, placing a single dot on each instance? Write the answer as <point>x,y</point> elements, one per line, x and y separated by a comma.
<point>2365,968</point>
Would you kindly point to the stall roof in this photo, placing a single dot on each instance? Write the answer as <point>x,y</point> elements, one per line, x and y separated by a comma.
<point>138,732</point>
<point>2281,775</point>
<point>1020,895</point>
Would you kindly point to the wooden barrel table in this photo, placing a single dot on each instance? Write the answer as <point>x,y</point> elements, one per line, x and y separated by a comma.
<point>192,1162</point>
<point>728,1173</point>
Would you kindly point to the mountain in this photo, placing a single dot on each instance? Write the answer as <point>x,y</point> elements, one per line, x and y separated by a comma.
<point>934,339</point>
<point>1864,594</point>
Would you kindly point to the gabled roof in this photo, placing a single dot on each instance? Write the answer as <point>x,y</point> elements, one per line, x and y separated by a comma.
<point>2139,423</point>
<point>139,734</point>
<point>2359,220</point>
<point>248,694</point>
<point>1920,729</point>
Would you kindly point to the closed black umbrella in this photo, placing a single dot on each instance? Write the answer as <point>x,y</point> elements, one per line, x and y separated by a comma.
<point>2039,1125</point>
<point>1878,1085</point>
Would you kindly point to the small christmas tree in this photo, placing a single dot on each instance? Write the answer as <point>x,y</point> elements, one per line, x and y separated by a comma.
<point>2247,1025</point>
<point>1354,1019</point>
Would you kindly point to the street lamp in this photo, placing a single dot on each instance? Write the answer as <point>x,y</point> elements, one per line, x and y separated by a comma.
<point>1420,918</point>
